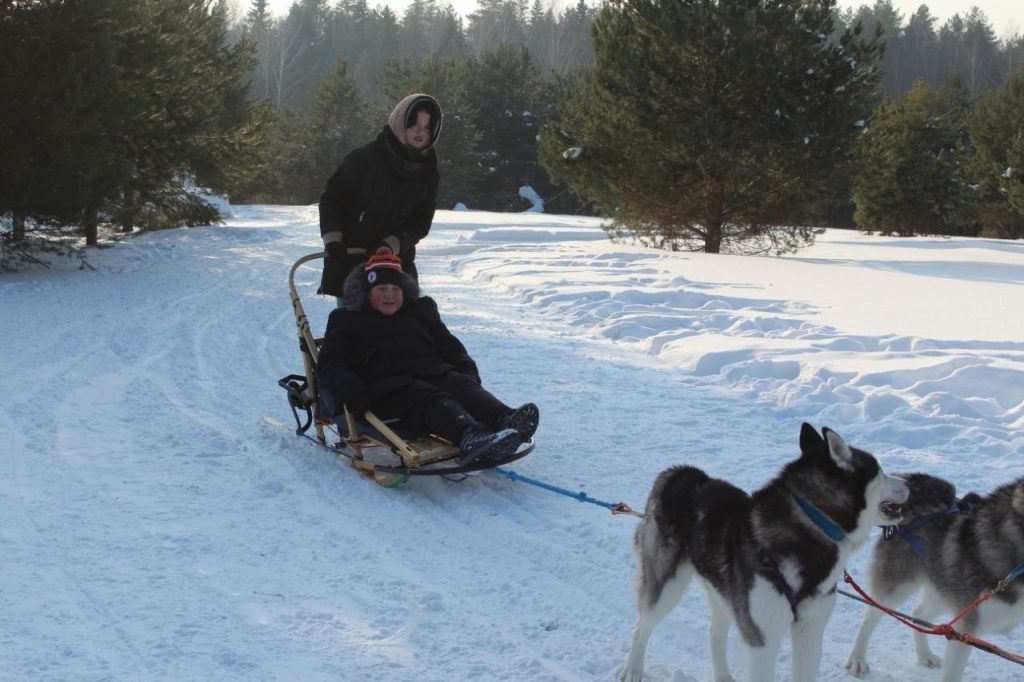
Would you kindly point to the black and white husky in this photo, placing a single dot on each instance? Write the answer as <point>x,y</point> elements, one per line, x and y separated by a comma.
<point>768,562</point>
<point>952,551</point>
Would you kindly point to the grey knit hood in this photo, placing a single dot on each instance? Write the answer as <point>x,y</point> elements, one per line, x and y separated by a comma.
<point>401,118</point>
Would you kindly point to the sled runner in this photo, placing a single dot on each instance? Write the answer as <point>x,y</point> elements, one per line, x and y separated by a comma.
<point>370,444</point>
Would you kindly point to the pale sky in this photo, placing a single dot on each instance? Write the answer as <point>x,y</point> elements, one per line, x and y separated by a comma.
<point>1005,16</point>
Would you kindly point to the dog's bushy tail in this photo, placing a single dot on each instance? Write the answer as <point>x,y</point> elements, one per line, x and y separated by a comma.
<point>674,502</point>
<point>663,538</point>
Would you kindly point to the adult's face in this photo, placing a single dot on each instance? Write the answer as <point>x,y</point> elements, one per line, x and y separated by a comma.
<point>418,134</point>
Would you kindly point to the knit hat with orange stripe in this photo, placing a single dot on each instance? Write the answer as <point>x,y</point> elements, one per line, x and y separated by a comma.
<point>383,269</point>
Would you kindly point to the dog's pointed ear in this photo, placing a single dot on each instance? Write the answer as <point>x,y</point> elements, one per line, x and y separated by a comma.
<point>838,449</point>
<point>809,439</point>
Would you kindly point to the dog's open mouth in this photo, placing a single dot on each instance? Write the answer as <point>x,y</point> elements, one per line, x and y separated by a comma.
<point>892,510</point>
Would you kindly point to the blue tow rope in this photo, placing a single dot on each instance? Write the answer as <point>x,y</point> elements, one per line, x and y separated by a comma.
<point>615,507</point>
<point>1014,574</point>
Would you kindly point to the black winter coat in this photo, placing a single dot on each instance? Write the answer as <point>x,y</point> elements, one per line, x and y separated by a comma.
<point>367,355</point>
<point>380,190</point>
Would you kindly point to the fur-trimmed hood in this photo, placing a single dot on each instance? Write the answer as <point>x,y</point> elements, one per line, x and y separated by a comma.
<point>355,293</point>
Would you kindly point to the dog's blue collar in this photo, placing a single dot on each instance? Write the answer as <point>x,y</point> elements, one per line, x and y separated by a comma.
<point>820,520</point>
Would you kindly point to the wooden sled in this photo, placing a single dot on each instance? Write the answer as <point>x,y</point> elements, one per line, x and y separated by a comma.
<point>370,444</point>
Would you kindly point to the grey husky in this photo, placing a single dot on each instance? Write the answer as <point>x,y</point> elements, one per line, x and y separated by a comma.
<point>768,562</point>
<point>952,552</point>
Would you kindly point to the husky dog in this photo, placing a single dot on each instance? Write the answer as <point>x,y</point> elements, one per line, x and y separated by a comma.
<point>768,562</point>
<point>952,558</point>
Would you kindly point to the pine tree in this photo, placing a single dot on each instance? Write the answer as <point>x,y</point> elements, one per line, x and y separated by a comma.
<point>380,42</point>
<point>56,81</point>
<point>981,64</point>
<point>137,102</point>
<point>497,22</point>
<point>338,122</point>
<point>451,37</point>
<point>183,116</point>
<point>507,88</point>
<point>307,52</point>
<point>258,27</point>
<point>997,133</point>
<point>912,165</point>
<point>704,122</point>
<point>414,40</point>
<point>890,22</point>
<point>921,48</point>
<point>560,44</point>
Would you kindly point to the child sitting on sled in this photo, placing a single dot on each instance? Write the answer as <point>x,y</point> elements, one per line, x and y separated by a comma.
<point>387,350</point>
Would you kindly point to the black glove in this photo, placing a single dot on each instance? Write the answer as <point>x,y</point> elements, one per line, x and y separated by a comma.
<point>335,251</point>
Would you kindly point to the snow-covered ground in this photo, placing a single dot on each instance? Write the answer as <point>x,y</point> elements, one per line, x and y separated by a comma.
<point>159,519</point>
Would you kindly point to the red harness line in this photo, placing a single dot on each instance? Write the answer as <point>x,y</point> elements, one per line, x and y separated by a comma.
<point>944,629</point>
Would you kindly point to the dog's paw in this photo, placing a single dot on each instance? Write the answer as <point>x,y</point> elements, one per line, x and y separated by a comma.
<point>630,673</point>
<point>626,677</point>
<point>929,660</point>
<point>857,666</point>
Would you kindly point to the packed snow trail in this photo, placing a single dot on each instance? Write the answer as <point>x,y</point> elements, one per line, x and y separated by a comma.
<point>157,526</point>
<point>192,540</point>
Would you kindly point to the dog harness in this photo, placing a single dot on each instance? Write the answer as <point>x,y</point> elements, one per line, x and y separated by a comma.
<point>907,534</point>
<point>778,581</point>
<point>771,564</point>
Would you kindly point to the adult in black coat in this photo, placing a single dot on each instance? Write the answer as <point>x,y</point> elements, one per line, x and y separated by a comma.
<point>386,349</point>
<point>382,197</point>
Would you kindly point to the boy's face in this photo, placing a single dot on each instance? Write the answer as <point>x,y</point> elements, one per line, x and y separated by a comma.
<point>386,299</point>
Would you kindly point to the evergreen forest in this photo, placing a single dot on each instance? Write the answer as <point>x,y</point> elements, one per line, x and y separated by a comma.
<point>712,125</point>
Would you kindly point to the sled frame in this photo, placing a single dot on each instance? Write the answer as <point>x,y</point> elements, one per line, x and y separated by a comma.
<point>424,455</point>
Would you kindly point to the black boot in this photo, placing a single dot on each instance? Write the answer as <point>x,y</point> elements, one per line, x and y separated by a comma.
<point>523,419</point>
<point>479,445</point>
